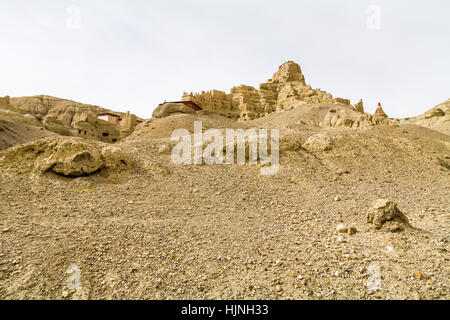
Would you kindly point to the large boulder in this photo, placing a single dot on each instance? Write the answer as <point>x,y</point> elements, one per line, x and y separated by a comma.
<point>115,158</point>
<point>318,143</point>
<point>385,214</point>
<point>70,157</point>
<point>436,112</point>
<point>167,109</point>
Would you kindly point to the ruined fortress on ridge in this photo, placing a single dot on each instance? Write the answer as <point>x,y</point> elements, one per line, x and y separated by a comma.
<point>286,89</point>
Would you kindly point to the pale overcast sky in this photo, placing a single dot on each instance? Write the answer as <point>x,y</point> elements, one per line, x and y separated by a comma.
<point>134,54</point>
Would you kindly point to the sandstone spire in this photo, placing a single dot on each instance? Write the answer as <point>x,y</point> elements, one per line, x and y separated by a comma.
<point>380,112</point>
<point>359,106</point>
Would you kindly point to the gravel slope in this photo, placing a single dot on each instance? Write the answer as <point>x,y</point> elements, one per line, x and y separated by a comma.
<point>161,231</point>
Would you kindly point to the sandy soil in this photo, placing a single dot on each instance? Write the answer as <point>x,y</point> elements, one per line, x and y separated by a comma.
<point>161,231</point>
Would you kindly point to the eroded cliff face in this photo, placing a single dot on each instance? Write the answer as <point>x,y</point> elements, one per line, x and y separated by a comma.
<point>69,118</point>
<point>286,89</point>
<point>5,102</point>
<point>437,118</point>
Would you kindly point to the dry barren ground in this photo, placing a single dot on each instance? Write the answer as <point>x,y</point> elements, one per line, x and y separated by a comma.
<point>161,231</point>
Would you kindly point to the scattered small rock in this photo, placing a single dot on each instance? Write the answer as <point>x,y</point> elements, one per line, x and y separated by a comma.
<point>342,228</point>
<point>341,239</point>
<point>165,149</point>
<point>419,276</point>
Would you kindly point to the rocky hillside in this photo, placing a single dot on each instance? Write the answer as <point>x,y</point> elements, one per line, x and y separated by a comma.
<point>437,118</point>
<point>63,117</point>
<point>63,110</point>
<point>16,128</point>
<point>358,210</point>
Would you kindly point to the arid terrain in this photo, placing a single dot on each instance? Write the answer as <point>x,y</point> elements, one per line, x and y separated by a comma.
<point>137,226</point>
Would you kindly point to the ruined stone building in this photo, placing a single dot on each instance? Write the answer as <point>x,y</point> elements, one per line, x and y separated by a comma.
<point>284,90</point>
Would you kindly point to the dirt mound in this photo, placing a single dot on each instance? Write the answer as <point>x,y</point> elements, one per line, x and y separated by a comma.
<point>163,128</point>
<point>70,157</point>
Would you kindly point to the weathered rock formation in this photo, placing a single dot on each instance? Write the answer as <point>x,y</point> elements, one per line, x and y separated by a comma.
<point>128,124</point>
<point>385,214</point>
<point>69,118</point>
<point>380,112</point>
<point>359,106</point>
<point>5,102</point>
<point>318,143</point>
<point>437,118</point>
<point>348,118</point>
<point>167,109</point>
<point>71,157</point>
<point>286,89</point>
